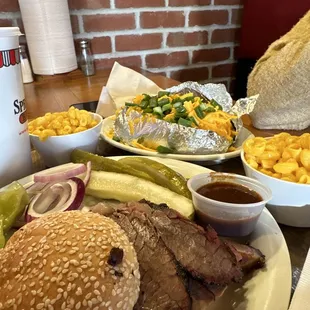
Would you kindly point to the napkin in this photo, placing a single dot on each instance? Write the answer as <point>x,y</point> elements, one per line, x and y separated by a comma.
<point>123,85</point>
<point>49,36</point>
<point>301,297</point>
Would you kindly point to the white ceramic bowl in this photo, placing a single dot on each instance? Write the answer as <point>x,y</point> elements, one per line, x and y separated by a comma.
<point>56,150</point>
<point>228,219</point>
<point>290,203</point>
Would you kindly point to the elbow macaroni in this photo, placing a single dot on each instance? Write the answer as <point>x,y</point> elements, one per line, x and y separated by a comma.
<point>283,156</point>
<point>61,123</point>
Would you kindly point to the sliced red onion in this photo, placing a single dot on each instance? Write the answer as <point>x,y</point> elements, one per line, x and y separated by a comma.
<point>60,173</point>
<point>62,196</point>
<point>86,176</point>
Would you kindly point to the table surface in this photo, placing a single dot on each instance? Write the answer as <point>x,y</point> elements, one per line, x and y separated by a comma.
<point>57,93</point>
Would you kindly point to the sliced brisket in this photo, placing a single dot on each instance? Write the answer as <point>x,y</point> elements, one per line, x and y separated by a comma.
<point>199,251</point>
<point>163,286</point>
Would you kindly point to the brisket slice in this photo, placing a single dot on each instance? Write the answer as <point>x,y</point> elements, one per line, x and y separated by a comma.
<point>163,286</point>
<point>249,258</point>
<point>198,251</point>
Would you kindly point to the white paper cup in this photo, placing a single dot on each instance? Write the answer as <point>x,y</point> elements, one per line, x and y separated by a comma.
<point>15,153</point>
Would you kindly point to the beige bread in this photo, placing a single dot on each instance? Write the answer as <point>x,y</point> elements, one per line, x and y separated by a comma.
<point>282,80</point>
<point>69,260</point>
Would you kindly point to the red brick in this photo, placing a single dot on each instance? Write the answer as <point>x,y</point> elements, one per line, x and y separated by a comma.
<point>101,45</point>
<point>88,4</point>
<point>228,2</point>
<point>225,35</point>
<point>9,6</point>
<point>5,23</point>
<point>167,60</point>
<point>205,18</point>
<point>138,3</point>
<point>236,16</point>
<point>74,24</point>
<point>227,70</point>
<point>108,22</point>
<point>188,2</point>
<point>138,42</point>
<point>131,61</point>
<point>210,55</point>
<point>162,19</point>
<point>187,38</point>
<point>193,74</point>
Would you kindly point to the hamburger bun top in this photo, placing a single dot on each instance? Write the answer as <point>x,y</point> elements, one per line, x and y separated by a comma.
<point>69,260</point>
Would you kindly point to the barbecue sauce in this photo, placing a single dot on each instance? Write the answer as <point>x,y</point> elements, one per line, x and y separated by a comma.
<point>229,192</point>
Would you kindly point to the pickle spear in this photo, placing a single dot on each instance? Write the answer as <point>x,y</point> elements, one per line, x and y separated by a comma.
<point>162,175</point>
<point>124,188</point>
<point>100,163</point>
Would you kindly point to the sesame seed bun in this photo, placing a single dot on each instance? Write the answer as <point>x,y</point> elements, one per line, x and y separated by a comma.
<point>69,260</point>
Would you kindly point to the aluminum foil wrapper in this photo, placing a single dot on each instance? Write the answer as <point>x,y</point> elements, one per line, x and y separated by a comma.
<point>181,139</point>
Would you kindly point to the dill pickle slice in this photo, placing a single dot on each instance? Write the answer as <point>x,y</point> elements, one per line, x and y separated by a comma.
<point>100,163</point>
<point>161,174</point>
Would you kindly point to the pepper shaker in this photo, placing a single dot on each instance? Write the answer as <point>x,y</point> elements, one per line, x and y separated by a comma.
<point>86,58</point>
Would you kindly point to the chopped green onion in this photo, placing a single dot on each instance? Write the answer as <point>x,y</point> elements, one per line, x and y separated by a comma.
<point>163,101</point>
<point>209,109</point>
<point>180,109</point>
<point>162,93</point>
<point>216,105</point>
<point>191,118</point>
<point>117,139</point>
<point>203,106</point>
<point>167,107</point>
<point>185,122</point>
<point>189,98</point>
<point>158,110</point>
<point>146,96</point>
<point>153,102</point>
<point>144,104</point>
<point>199,113</point>
<point>130,104</point>
<point>164,150</point>
<point>148,110</point>
<point>178,104</point>
<point>140,140</point>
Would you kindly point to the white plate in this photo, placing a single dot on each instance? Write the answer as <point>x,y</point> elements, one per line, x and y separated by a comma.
<point>269,288</point>
<point>244,135</point>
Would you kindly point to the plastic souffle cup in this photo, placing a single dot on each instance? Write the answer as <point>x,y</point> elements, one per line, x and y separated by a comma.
<point>228,219</point>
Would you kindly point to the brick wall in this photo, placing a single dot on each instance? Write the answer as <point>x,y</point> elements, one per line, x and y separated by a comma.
<point>182,39</point>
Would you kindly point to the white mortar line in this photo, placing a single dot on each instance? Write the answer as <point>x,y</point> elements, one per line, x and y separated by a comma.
<point>113,44</point>
<point>153,9</point>
<point>143,63</point>
<point>190,57</point>
<point>186,16</point>
<point>137,20</point>
<point>229,16</point>
<point>112,4</point>
<point>158,30</point>
<point>81,23</point>
<point>166,3</point>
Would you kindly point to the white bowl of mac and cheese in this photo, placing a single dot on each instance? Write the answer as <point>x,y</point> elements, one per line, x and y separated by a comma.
<point>56,149</point>
<point>282,163</point>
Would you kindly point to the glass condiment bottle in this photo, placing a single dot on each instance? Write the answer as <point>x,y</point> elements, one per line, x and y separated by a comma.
<point>25,65</point>
<point>86,58</point>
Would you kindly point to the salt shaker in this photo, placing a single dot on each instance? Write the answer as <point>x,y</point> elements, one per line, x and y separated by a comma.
<point>86,58</point>
<point>25,65</point>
